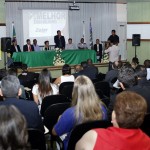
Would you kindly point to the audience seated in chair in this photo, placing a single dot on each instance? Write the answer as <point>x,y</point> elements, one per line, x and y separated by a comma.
<point>128,114</point>
<point>86,106</point>
<point>66,75</point>
<point>44,87</point>
<point>13,129</point>
<point>10,90</point>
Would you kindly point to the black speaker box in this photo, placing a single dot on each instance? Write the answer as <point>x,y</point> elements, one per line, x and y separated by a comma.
<point>136,39</point>
<point>5,44</point>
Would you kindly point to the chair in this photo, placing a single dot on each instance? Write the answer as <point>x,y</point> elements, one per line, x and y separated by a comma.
<point>145,127</point>
<point>81,129</point>
<point>51,116</point>
<point>104,87</point>
<point>52,99</point>
<point>36,139</point>
<point>65,88</point>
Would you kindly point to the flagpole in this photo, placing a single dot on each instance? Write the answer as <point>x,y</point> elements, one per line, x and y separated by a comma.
<point>84,30</point>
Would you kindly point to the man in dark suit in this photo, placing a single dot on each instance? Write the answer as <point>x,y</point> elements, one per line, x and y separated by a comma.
<point>98,49</point>
<point>28,47</point>
<point>113,38</point>
<point>59,40</point>
<point>14,47</point>
<point>10,90</point>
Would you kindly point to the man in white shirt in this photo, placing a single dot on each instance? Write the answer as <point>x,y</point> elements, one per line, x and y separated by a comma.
<point>82,45</point>
<point>36,46</point>
<point>70,45</point>
<point>113,54</point>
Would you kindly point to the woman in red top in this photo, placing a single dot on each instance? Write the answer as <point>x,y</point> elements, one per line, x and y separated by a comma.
<point>129,111</point>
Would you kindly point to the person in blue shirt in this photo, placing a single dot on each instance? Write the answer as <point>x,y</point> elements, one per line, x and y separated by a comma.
<point>86,106</point>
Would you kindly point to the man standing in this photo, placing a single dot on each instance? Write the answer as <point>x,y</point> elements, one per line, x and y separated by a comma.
<point>28,47</point>
<point>113,38</point>
<point>10,90</point>
<point>59,40</point>
<point>98,49</point>
<point>113,54</point>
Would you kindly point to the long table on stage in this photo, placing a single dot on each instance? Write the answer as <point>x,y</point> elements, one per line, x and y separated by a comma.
<point>46,58</point>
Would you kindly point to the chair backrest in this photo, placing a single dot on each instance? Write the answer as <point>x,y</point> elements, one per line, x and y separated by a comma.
<point>146,125</point>
<point>66,88</point>
<point>52,113</point>
<point>81,129</point>
<point>36,139</point>
<point>104,87</point>
<point>52,99</point>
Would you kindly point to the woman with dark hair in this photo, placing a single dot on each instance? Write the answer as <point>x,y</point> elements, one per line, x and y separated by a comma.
<point>86,106</point>
<point>46,46</point>
<point>128,115</point>
<point>44,87</point>
<point>66,75</point>
<point>13,129</point>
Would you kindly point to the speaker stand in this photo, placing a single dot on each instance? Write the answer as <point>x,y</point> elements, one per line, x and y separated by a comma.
<point>135,51</point>
<point>5,60</point>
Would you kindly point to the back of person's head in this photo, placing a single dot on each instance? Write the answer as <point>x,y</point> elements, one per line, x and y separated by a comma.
<point>77,68</point>
<point>135,60</point>
<point>12,71</point>
<point>3,73</point>
<point>10,86</point>
<point>147,63</point>
<point>13,129</point>
<point>89,61</point>
<point>44,82</point>
<point>120,64</point>
<point>66,69</point>
<point>127,76</point>
<point>84,64</point>
<point>130,109</point>
<point>85,99</point>
<point>141,71</point>
<point>115,65</point>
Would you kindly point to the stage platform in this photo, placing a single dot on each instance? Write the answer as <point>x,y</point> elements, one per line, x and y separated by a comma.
<point>56,70</point>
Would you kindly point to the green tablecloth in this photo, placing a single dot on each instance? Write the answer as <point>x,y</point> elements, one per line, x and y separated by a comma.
<point>45,58</point>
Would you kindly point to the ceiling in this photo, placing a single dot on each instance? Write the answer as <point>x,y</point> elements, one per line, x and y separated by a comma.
<point>81,1</point>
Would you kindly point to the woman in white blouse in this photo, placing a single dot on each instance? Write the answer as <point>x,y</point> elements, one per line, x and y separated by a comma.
<point>44,87</point>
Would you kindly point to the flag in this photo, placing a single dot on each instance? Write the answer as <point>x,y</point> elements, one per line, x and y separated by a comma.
<point>13,31</point>
<point>91,35</point>
<point>83,30</point>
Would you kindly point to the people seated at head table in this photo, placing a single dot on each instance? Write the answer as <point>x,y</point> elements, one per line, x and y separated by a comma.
<point>128,115</point>
<point>70,45</point>
<point>98,49</point>
<point>14,47</point>
<point>82,45</point>
<point>10,91</point>
<point>13,129</point>
<point>86,106</point>
<point>59,40</point>
<point>36,46</point>
<point>46,46</point>
<point>44,87</point>
<point>66,75</point>
<point>28,47</point>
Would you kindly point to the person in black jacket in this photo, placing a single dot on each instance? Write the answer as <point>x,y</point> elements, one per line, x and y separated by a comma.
<point>59,40</point>
<point>113,38</point>
<point>14,47</point>
<point>98,49</point>
<point>28,47</point>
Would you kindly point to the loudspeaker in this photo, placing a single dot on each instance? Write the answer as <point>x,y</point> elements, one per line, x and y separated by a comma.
<point>5,44</point>
<point>136,39</point>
